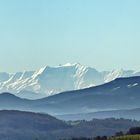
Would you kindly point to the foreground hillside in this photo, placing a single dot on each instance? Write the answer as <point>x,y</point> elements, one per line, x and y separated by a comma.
<point>127,137</point>
<point>18,125</point>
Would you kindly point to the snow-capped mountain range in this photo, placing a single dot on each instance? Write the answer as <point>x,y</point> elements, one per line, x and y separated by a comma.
<point>52,80</point>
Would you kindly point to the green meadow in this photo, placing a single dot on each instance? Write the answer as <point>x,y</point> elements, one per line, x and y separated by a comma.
<point>127,137</point>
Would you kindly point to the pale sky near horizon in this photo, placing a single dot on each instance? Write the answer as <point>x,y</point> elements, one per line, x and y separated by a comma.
<point>104,34</point>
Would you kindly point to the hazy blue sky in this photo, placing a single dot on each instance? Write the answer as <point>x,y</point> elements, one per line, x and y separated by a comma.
<point>104,34</point>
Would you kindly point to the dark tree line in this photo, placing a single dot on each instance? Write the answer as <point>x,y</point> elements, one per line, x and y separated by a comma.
<point>82,138</point>
<point>131,131</point>
<point>134,131</point>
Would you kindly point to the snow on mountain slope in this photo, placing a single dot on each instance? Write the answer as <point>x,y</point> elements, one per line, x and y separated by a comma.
<point>120,73</point>
<point>52,80</point>
<point>4,76</point>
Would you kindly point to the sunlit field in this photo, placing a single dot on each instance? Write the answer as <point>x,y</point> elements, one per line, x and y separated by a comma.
<point>127,137</point>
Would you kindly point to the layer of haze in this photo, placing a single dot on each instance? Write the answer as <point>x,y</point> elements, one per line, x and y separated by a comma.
<point>104,34</point>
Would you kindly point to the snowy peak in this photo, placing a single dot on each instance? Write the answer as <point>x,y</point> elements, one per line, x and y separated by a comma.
<point>70,65</point>
<point>52,80</point>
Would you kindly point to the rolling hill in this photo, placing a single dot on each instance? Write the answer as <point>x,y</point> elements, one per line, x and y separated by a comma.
<point>15,125</point>
<point>19,125</point>
<point>133,114</point>
<point>120,94</point>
